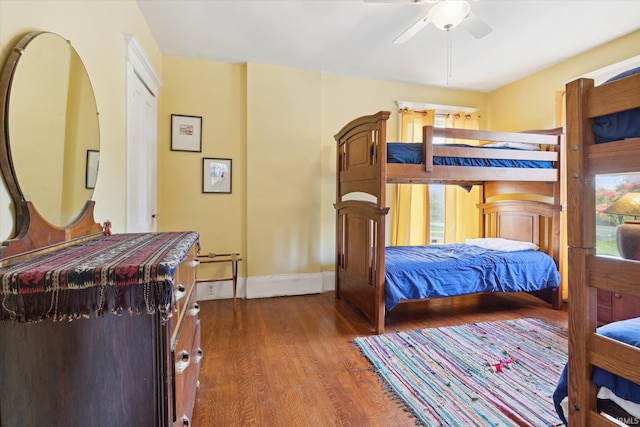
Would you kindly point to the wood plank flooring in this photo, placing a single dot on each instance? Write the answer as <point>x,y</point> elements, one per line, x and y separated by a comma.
<point>288,361</point>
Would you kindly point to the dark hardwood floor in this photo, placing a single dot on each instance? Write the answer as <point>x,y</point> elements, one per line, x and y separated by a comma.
<point>288,361</point>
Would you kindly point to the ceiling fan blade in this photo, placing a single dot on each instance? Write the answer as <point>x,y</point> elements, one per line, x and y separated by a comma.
<point>412,30</point>
<point>476,26</point>
<point>400,1</point>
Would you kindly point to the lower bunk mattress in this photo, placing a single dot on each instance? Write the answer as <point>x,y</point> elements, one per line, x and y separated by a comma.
<point>622,392</point>
<point>443,270</point>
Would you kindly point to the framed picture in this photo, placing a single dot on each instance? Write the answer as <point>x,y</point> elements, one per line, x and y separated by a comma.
<point>216,175</point>
<point>186,133</point>
<point>93,161</point>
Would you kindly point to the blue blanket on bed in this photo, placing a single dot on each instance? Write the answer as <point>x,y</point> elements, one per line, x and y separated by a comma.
<point>618,126</point>
<point>416,272</point>
<point>411,153</point>
<point>627,331</point>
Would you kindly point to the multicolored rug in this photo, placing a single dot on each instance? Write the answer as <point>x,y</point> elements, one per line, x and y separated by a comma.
<point>500,373</point>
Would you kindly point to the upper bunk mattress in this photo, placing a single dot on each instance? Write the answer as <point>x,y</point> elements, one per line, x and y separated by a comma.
<point>411,153</point>
<point>416,272</point>
<point>618,126</point>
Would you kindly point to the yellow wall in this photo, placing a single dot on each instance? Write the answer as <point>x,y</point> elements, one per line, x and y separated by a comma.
<point>283,166</point>
<point>276,123</point>
<point>96,29</point>
<point>216,92</point>
<point>344,99</point>
<point>529,103</point>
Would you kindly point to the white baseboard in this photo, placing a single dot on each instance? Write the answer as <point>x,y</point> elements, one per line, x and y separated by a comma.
<point>268,286</point>
<point>221,290</point>
<point>284,285</point>
<point>328,281</point>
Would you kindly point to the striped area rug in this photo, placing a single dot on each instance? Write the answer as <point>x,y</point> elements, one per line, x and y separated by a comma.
<point>500,373</point>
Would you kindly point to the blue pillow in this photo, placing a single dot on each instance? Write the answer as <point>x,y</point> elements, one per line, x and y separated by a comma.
<point>617,126</point>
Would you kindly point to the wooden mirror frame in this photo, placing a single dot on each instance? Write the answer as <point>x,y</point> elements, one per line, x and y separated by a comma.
<point>33,233</point>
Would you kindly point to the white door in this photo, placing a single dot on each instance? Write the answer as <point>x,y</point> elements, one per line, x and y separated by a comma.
<point>141,159</point>
<point>142,125</point>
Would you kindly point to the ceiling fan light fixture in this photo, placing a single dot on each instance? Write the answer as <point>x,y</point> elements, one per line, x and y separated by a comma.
<point>448,14</point>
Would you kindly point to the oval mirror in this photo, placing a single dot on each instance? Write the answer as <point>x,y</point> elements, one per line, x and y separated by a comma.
<point>52,130</point>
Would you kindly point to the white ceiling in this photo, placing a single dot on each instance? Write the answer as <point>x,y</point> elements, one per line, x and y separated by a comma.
<point>354,38</point>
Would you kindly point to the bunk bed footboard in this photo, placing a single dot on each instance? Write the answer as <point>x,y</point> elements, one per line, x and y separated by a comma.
<point>360,250</point>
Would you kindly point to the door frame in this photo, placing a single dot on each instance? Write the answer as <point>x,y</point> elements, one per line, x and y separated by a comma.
<point>138,67</point>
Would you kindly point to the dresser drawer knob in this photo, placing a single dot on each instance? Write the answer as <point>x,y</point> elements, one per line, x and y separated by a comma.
<point>181,291</point>
<point>617,295</point>
<point>194,310</point>
<point>183,363</point>
<point>185,421</point>
<point>199,355</point>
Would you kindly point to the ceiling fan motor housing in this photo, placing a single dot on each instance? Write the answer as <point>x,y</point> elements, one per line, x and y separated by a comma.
<point>448,14</point>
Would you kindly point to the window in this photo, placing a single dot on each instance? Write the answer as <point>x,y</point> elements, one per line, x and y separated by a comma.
<point>436,196</point>
<point>609,188</point>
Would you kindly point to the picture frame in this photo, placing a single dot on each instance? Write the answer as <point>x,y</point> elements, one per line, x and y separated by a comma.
<point>186,133</point>
<point>91,174</point>
<point>216,175</point>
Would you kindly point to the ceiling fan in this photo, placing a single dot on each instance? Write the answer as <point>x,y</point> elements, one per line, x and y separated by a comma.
<point>446,15</point>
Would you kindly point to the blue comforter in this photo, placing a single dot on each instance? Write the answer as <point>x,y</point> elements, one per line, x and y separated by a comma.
<point>416,272</point>
<point>618,126</point>
<point>411,153</point>
<point>627,331</point>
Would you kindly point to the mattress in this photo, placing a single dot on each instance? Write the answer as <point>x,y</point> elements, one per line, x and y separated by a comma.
<point>627,394</point>
<point>416,272</point>
<point>411,153</point>
<point>618,126</point>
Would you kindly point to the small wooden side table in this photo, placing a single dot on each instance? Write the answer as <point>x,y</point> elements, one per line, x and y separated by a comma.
<point>233,258</point>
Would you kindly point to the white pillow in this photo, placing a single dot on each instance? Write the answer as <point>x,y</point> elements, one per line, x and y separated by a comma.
<point>504,245</point>
<point>518,145</point>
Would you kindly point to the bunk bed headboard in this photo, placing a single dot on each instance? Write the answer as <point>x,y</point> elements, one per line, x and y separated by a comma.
<point>358,168</point>
<point>524,220</point>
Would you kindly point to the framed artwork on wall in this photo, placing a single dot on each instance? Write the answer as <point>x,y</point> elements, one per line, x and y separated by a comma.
<point>216,175</point>
<point>93,161</point>
<point>186,133</point>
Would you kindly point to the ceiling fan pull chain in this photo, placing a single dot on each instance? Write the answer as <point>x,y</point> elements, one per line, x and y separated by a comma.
<point>449,54</point>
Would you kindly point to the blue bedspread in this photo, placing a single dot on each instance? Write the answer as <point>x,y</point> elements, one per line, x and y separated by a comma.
<point>416,272</point>
<point>411,153</point>
<point>618,126</point>
<point>627,331</point>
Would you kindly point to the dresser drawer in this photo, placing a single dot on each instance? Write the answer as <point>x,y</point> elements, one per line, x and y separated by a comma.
<point>184,285</point>
<point>187,382</point>
<point>185,279</point>
<point>185,349</point>
<point>613,306</point>
<point>604,307</point>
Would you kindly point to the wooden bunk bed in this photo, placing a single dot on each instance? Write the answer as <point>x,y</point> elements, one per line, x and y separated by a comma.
<point>593,353</point>
<point>518,203</point>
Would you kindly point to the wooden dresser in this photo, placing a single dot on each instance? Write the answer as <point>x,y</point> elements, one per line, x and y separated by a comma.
<point>613,306</point>
<point>107,367</point>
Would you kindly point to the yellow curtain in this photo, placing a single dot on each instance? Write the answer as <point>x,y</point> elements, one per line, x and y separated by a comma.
<point>410,206</point>
<point>460,210</point>
<point>561,114</point>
